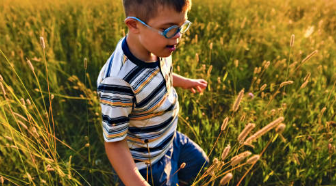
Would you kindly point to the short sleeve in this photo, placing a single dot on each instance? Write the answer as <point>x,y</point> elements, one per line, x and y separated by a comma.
<point>116,101</point>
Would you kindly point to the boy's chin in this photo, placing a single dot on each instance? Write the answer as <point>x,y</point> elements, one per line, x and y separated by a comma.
<point>166,54</point>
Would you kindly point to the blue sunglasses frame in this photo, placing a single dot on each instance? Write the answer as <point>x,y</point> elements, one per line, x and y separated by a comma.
<point>165,32</point>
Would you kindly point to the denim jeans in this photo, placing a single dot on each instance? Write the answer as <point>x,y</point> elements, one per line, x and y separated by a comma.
<point>166,171</point>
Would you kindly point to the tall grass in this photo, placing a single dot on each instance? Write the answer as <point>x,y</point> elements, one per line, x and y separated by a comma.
<point>50,118</point>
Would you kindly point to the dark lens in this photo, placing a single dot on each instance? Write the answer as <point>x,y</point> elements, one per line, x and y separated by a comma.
<point>171,31</point>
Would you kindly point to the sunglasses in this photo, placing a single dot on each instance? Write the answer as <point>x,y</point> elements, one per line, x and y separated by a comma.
<point>169,32</point>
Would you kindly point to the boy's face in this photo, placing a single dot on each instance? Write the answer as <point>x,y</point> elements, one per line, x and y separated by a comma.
<point>153,42</point>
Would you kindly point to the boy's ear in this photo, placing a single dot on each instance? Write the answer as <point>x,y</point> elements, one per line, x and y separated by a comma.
<point>132,25</point>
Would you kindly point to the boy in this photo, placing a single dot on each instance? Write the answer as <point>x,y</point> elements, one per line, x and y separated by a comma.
<point>139,103</point>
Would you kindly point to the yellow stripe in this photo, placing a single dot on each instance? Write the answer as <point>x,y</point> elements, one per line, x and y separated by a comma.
<point>146,82</point>
<point>153,108</point>
<point>125,59</point>
<point>114,135</point>
<point>148,116</point>
<point>135,139</point>
<point>120,104</point>
<point>145,161</point>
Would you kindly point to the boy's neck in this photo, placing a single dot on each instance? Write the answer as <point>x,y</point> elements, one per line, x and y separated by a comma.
<point>133,45</point>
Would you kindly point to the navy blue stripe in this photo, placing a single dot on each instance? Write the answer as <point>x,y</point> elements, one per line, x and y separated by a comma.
<point>157,148</point>
<point>146,114</point>
<point>115,89</point>
<point>109,66</point>
<point>118,120</point>
<point>113,131</point>
<point>116,99</point>
<point>170,108</point>
<point>151,128</point>
<point>133,74</point>
<point>144,78</point>
<point>152,94</point>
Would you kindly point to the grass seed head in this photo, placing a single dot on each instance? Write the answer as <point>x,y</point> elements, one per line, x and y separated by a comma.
<point>224,124</point>
<point>14,147</point>
<point>209,70</point>
<point>248,128</point>
<point>253,159</point>
<point>323,110</point>
<point>236,63</point>
<point>28,102</point>
<point>210,169</point>
<point>292,40</point>
<point>23,102</point>
<point>255,70</point>
<point>215,161</point>
<point>3,89</point>
<point>263,87</point>
<point>237,160</point>
<point>42,42</point>
<point>226,179</point>
<point>309,56</point>
<point>238,100</point>
<point>264,130</point>
<point>245,154</point>
<point>29,177</point>
<point>1,78</point>
<point>183,165</point>
<point>286,83</point>
<point>280,128</point>
<point>226,151</point>
<point>30,65</point>
<point>304,84</point>
<point>240,157</point>
<point>267,64</point>
<point>307,77</point>
<point>9,138</point>
<point>49,168</point>
<point>85,63</point>
<point>23,125</point>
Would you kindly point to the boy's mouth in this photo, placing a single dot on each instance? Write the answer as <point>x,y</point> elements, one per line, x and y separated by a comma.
<point>171,47</point>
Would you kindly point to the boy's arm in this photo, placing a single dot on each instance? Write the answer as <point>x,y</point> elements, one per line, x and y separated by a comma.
<point>116,102</point>
<point>121,159</point>
<point>191,84</point>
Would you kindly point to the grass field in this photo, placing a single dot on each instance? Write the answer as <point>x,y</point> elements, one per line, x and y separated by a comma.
<point>266,62</point>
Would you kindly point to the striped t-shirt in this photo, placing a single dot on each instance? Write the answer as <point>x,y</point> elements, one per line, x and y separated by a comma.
<point>139,103</point>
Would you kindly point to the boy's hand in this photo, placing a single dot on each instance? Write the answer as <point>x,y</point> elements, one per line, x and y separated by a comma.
<point>195,84</point>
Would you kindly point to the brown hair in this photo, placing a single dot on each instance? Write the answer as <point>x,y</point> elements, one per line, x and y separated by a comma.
<point>147,9</point>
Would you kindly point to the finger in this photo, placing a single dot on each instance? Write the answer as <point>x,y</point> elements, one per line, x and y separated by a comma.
<point>193,90</point>
<point>199,89</point>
